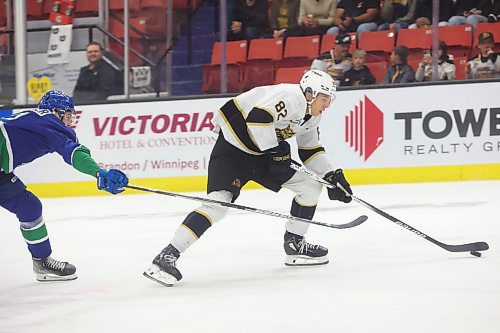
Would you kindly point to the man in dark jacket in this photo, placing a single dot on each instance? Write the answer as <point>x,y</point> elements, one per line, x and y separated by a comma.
<point>249,19</point>
<point>98,79</point>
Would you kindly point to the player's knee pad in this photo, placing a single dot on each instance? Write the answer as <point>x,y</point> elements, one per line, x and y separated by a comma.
<point>27,208</point>
<point>199,220</point>
<point>214,211</point>
<point>308,193</point>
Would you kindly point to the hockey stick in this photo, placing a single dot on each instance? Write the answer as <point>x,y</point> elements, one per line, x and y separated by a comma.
<point>470,247</point>
<point>351,224</point>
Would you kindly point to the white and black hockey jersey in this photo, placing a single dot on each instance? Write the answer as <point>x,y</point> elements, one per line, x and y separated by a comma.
<point>257,119</point>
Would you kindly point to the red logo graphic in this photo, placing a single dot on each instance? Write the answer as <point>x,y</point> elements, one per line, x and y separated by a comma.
<point>76,119</point>
<point>364,128</point>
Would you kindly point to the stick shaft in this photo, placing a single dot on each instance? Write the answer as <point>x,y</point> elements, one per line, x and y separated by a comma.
<point>477,246</point>
<point>351,224</point>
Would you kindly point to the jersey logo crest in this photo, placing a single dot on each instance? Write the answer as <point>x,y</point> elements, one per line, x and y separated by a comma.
<point>284,133</point>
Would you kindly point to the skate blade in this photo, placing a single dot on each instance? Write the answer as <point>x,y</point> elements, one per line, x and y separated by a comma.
<point>51,277</point>
<point>298,260</point>
<point>156,274</point>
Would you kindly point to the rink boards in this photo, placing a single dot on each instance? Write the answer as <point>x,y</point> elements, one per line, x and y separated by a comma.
<point>396,135</point>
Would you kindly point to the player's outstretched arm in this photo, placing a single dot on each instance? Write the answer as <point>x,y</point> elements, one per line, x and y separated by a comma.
<point>112,181</point>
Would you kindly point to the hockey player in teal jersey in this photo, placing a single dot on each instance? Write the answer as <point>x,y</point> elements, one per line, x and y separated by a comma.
<point>24,137</point>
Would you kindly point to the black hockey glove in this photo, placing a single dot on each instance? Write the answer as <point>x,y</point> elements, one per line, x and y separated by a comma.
<point>280,155</point>
<point>334,177</point>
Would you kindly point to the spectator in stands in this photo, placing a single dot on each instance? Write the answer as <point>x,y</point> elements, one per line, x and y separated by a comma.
<point>397,14</point>
<point>284,18</point>
<point>468,12</point>
<point>337,61</point>
<point>446,67</point>
<point>98,79</point>
<point>492,9</point>
<point>249,19</point>
<point>355,16</point>
<point>486,64</point>
<point>315,17</point>
<point>424,13</point>
<point>359,74</point>
<point>399,71</point>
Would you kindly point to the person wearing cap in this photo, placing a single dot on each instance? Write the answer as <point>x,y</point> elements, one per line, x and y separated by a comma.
<point>337,61</point>
<point>399,71</point>
<point>355,16</point>
<point>486,64</point>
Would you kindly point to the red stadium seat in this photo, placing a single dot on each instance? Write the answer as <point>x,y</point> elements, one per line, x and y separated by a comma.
<point>300,51</point>
<point>117,28</point>
<point>262,57</point>
<point>4,41</point>
<point>87,6</point>
<point>3,14</point>
<point>414,63</point>
<point>458,39</point>
<point>378,70</point>
<point>271,48</point>
<point>416,40</point>
<point>47,7</point>
<point>177,4</point>
<point>135,44</point>
<point>236,55</point>
<point>118,4</point>
<point>460,68</point>
<point>236,52</point>
<point>377,44</point>
<point>34,8</point>
<point>149,21</point>
<point>289,74</point>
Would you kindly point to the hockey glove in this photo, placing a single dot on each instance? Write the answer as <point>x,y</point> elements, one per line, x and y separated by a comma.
<point>336,193</point>
<point>111,181</point>
<point>280,155</point>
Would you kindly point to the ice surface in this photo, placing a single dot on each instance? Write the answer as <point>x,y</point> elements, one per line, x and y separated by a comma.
<point>381,277</point>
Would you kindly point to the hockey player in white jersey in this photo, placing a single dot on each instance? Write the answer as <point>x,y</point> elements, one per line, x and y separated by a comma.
<point>253,128</point>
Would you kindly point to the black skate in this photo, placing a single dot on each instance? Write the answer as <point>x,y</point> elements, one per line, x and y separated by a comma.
<point>301,253</point>
<point>49,269</point>
<point>163,268</point>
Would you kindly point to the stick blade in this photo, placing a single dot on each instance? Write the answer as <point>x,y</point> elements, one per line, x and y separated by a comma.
<point>354,223</point>
<point>477,246</point>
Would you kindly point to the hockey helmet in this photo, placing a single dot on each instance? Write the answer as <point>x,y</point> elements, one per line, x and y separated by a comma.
<point>57,101</point>
<point>315,81</point>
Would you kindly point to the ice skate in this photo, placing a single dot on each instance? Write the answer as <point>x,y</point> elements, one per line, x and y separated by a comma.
<point>301,253</point>
<point>163,269</point>
<point>49,269</point>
